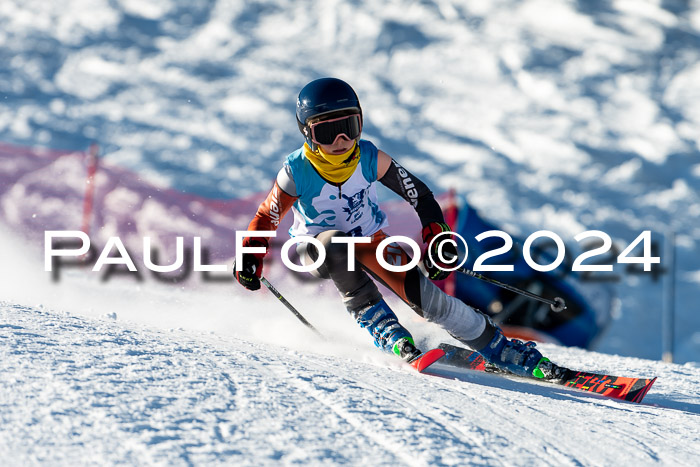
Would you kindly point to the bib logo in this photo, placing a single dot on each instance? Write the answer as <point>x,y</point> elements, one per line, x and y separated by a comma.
<point>355,203</point>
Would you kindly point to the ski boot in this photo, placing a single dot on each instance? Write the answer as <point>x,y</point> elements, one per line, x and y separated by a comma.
<point>406,349</point>
<point>518,357</point>
<point>384,326</point>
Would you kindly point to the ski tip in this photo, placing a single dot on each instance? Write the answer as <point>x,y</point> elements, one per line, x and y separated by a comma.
<point>643,392</point>
<point>427,359</point>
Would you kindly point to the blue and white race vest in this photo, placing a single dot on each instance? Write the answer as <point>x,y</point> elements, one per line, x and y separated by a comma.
<point>351,207</point>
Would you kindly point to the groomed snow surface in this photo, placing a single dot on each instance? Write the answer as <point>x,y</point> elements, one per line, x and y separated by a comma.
<point>82,390</point>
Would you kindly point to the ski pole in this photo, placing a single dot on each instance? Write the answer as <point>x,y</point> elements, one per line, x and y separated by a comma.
<point>289,306</point>
<point>557,305</point>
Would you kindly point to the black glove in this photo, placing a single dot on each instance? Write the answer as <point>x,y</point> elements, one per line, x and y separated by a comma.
<point>431,259</point>
<point>252,267</point>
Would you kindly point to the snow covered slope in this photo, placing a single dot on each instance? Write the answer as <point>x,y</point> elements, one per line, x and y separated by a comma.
<point>80,391</point>
<point>546,114</point>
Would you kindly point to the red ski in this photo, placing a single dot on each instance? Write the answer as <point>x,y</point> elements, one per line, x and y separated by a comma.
<point>616,387</point>
<point>426,359</point>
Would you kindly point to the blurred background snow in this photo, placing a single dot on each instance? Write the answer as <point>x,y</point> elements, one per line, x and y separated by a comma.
<point>558,115</point>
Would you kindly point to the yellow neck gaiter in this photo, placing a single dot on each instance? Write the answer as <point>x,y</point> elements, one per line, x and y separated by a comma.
<point>335,168</point>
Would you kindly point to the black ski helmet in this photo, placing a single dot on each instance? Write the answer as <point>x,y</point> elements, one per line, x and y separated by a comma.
<point>323,96</point>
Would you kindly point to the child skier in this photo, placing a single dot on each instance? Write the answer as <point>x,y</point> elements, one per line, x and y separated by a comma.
<point>329,183</point>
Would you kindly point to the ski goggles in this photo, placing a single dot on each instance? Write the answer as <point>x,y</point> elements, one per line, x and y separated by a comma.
<point>327,131</point>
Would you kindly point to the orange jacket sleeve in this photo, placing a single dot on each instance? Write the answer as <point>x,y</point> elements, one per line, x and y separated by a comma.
<point>270,213</point>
